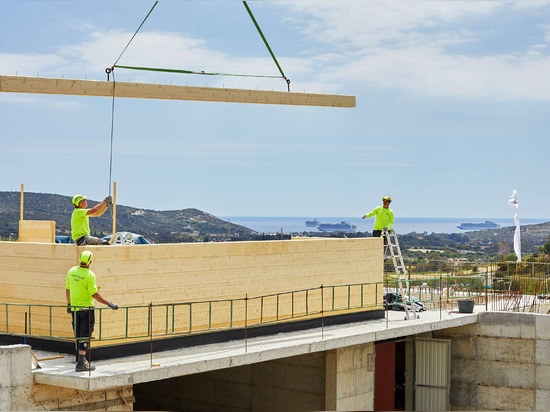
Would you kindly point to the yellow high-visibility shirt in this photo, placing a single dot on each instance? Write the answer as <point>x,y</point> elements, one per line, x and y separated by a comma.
<point>80,223</point>
<point>383,217</point>
<point>81,284</point>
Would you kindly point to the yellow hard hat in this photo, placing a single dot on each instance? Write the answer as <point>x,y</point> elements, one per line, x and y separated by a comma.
<point>388,198</point>
<point>78,198</point>
<point>86,257</point>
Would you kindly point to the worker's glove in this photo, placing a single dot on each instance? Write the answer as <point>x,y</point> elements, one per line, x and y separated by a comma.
<point>364,217</point>
<point>108,200</point>
<point>113,306</point>
<point>69,308</point>
<point>386,228</point>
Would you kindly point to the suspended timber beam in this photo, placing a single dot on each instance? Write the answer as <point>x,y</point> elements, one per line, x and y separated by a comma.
<point>40,85</point>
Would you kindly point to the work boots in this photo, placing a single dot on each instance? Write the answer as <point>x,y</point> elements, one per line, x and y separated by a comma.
<point>83,365</point>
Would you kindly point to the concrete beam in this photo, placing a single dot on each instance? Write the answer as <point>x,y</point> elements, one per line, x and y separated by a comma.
<point>39,85</point>
<point>133,370</point>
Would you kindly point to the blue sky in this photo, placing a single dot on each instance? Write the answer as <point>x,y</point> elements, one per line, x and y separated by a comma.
<point>453,106</point>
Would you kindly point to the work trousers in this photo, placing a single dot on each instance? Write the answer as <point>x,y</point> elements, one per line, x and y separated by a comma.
<point>83,327</point>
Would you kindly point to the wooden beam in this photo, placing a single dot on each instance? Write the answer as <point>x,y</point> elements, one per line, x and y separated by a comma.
<point>40,85</point>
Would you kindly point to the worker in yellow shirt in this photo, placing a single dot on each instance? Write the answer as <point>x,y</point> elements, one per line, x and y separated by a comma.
<point>383,217</point>
<point>81,291</point>
<point>80,220</point>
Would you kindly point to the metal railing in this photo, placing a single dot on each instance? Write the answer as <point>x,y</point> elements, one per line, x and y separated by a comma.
<point>500,285</point>
<point>504,286</point>
<point>185,318</point>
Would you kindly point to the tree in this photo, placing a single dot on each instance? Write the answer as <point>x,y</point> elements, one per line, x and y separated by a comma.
<point>546,247</point>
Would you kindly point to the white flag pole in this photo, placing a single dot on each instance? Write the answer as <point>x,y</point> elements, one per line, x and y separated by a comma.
<point>517,237</point>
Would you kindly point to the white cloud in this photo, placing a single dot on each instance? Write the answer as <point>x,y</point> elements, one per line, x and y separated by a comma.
<point>420,48</point>
<point>29,64</point>
<point>411,46</point>
<point>346,24</point>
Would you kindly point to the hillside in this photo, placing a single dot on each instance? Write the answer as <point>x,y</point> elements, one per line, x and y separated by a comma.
<point>186,225</point>
<point>476,245</point>
<point>192,225</point>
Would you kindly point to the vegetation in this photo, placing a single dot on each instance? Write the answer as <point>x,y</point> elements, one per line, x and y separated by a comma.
<point>426,252</point>
<point>482,245</point>
<point>186,225</point>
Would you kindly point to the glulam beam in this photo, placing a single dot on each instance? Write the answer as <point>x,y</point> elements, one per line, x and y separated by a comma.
<point>43,85</point>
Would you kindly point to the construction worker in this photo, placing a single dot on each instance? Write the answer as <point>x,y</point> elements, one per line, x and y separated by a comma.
<point>383,217</point>
<point>80,220</point>
<point>81,291</point>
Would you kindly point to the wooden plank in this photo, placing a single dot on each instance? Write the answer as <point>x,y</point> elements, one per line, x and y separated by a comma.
<point>40,85</point>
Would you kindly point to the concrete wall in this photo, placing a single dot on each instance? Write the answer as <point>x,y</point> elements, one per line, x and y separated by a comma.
<point>501,363</point>
<point>290,384</point>
<point>51,398</point>
<point>15,378</point>
<point>34,273</point>
<point>18,393</point>
<point>350,378</point>
<point>341,379</point>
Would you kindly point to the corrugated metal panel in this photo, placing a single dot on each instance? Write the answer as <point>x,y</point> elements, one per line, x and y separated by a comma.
<point>384,376</point>
<point>432,374</point>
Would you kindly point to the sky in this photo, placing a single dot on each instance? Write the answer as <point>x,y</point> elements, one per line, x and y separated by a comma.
<point>453,106</point>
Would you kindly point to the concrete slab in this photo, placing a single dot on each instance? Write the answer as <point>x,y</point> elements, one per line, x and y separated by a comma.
<point>163,365</point>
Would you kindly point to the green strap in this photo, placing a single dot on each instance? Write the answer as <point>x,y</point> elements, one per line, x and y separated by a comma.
<point>146,17</point>
<point>156,69</point>
<point>264,39</point>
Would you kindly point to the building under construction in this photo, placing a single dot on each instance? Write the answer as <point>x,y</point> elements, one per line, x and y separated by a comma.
<point>282,325</point>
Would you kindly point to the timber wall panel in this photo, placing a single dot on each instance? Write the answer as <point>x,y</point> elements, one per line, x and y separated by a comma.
<point>37,231</point>
<point>139,275</point>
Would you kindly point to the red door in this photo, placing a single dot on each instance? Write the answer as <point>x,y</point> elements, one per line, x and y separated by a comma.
<point>384,376</point>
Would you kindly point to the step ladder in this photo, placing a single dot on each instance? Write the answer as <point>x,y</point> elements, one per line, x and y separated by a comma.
<point>393,251</point>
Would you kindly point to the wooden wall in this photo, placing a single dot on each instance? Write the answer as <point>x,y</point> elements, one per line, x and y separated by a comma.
<point>135,276</point>
<point>37,231</point>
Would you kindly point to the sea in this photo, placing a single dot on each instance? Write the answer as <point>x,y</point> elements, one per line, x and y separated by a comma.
<point>402,225</point>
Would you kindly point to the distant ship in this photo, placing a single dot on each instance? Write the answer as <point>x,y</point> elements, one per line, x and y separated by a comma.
<point>343,226</point>
<point>478,226</point>
<point>312,223</point>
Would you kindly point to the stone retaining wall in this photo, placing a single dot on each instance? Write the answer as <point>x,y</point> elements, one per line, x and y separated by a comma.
<point>500,363</point>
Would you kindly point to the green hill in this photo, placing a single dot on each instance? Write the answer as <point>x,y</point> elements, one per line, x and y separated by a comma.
<point>475,245</point>
<point>192,225</point>
<point>186,225</point>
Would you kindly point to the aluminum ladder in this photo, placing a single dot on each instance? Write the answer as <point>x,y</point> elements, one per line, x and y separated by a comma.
<point>393,251</point>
